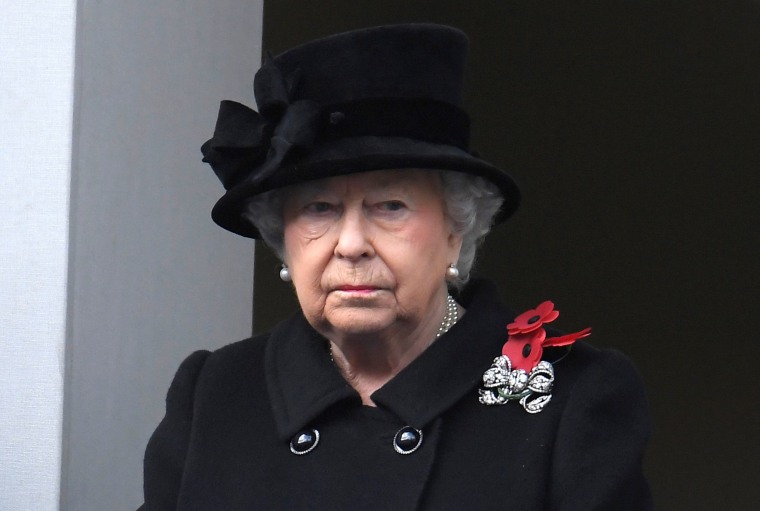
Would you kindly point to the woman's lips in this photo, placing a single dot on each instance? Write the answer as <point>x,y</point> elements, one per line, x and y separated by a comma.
<point>357,289</point>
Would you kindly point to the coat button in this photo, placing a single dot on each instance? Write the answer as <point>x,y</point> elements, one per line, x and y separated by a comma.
<point>304,441</point>
<point>407,440</point>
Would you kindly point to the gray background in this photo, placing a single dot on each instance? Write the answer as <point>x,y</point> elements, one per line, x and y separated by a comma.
<point>632,128</point>
<point>151,278</point>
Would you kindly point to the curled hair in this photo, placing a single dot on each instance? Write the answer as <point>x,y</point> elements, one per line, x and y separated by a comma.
<point>264,211</point>
<point>471,203</point>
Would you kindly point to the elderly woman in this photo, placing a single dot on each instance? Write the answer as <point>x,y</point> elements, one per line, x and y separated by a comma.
<point>399,385</point>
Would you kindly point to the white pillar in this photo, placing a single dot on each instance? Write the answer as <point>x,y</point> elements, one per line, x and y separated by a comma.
<point>129,275</point>
<point>36,101</point>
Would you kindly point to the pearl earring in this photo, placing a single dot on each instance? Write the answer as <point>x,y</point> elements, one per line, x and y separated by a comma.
<point>452,272</point>
<point>285,273</point>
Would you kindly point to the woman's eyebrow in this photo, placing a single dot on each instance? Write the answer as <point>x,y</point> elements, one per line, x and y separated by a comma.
<point>308,191</point>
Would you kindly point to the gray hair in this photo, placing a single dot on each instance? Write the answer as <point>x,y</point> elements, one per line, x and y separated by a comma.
<point>471,204</point>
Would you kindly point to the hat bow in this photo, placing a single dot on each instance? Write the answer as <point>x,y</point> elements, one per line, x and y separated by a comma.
<point>245,139</point>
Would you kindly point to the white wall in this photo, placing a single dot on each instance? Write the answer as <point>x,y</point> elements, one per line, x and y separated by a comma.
<point>134,275</point>
<point>36,100</point>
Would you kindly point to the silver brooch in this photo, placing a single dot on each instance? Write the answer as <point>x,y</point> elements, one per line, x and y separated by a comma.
<point>502,384</point>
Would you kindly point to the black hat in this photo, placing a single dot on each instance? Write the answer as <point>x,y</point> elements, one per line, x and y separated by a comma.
<point>373,99</point>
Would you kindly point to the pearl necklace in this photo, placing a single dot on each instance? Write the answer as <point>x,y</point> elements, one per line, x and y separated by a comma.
<point>451,316</point>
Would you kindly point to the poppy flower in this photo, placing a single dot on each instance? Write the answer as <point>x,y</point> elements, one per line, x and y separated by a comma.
<point>524,350</point>
<point>527,339</point>
<point>533,319</point>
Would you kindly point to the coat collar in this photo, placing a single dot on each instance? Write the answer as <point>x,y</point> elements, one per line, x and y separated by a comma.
<point>303,382</point>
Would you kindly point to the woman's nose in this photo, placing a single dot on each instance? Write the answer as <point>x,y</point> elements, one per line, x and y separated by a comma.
<point>354,241</point>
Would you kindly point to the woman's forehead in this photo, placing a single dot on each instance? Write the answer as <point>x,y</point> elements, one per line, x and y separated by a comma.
<point>376,180</point>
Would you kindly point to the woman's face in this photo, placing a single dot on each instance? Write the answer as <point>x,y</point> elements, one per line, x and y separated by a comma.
<point>368,252</point>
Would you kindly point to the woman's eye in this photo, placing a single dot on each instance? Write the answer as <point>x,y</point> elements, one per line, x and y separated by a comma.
<point>392,205</point>
<point>319,207</point>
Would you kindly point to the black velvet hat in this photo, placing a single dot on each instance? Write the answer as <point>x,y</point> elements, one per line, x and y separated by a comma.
<point>379,98</point>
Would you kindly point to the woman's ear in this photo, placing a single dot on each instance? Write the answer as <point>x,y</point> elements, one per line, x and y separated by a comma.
<point>455,247</point>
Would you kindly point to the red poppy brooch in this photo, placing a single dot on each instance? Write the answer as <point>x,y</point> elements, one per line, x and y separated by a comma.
<point>519,374</point>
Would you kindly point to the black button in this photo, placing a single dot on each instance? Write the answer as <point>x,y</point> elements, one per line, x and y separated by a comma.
<point>407,440</point>
<point>526,350</point>
<point>304,441</point>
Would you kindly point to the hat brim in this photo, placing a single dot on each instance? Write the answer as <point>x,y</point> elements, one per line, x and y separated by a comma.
<point>362,154</point>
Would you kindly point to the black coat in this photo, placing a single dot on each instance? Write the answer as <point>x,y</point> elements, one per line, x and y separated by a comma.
<point>224,444</point>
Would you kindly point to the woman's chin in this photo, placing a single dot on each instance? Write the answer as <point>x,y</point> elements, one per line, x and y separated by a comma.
<point>360,321</point>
